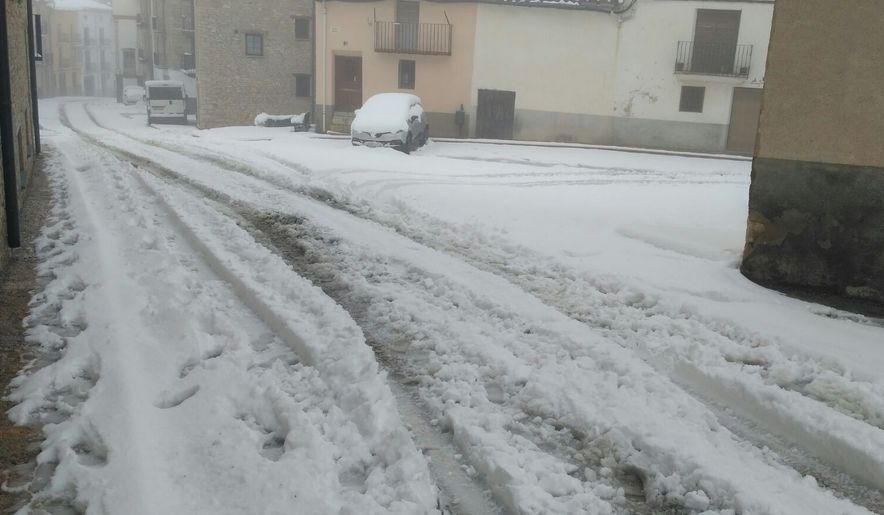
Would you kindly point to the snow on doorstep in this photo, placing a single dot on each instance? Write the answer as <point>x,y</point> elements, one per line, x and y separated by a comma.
<point>386,112</point>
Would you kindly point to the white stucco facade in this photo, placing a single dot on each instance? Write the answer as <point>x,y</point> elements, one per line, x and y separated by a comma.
<point>99,63</point>
<point>610,79</point>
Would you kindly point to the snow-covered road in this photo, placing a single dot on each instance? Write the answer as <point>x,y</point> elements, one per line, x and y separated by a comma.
<point>250,320</point>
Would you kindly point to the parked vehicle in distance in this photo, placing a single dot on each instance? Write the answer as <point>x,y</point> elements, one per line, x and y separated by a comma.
<point>391,120</point>
<point>165,101</point>
<point>132,95</point>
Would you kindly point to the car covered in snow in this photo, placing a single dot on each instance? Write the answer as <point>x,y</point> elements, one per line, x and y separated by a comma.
<point>133,94</point>
<point>392,120</point>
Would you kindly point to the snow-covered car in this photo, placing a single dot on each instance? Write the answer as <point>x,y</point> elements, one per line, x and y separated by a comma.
<point>391,120</point>
<point>132,95</point>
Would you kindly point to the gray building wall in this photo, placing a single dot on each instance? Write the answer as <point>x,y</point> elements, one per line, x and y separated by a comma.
<point>23,143</point>
<point>532,125</point>
<point>233,88</point>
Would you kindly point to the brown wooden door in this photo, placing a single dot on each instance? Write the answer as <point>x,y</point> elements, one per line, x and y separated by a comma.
<point>715,41</point>
<point>496,114</point>
<point>745,110</point>
<point>348,83</point>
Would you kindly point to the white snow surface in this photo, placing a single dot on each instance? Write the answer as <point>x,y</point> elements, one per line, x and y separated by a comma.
<point>573,318</point>
<point>197,372</point>
<point>384,112</point>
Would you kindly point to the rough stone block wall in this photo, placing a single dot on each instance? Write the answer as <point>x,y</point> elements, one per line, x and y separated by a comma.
<point>816,205</point>
<point>233,88</point>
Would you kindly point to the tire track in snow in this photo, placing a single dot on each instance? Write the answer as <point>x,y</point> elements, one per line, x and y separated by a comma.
<point>461,494</point>
<point>720,392</point>
<point>588,455</point>
<point>241,171</point>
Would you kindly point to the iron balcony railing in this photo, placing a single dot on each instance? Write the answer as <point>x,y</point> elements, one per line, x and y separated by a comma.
<point>412,38</point>
<point>724,60</point>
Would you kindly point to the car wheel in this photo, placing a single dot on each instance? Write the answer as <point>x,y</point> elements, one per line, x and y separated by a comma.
<point>406,147</point>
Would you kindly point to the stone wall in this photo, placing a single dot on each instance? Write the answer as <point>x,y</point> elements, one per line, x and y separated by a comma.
<point>816,204</point>
<point>233,88</point>
<point>23,143</point>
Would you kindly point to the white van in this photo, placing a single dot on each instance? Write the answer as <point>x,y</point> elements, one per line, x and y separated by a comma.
<point>165,101</point>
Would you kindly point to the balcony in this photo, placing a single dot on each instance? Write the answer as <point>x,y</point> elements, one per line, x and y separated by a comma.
<point>412,38</point>
<point>720,60</point>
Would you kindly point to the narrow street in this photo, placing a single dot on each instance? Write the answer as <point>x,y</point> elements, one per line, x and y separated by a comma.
<point>254,321</point>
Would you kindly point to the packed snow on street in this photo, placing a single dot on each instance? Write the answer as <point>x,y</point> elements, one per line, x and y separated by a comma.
<point>254,320</point>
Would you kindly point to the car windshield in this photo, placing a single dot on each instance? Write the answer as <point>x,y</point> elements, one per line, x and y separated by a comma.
<point>165,93</point>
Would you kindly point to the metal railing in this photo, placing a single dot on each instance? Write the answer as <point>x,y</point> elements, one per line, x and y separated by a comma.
<point>412,38</point>
<point>723,60</point>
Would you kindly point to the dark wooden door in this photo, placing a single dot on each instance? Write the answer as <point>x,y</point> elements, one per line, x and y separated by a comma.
<point>745,110</point>
<point>496,114</point>
<point>348,83</point>
<point>715,41</point>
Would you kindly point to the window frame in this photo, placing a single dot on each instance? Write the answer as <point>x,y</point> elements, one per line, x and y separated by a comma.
<point>413,65</point>
<point>685,104</point>
<point>260,36</point>
<point>309,22</point>
<point>309,78</point>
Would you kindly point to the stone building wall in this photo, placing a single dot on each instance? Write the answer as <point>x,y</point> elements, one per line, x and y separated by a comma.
<point>24,150</point>
<point>816,206</point>
<point>233,88</point>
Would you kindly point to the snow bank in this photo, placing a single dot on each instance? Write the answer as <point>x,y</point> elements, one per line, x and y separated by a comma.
<point>275,120</point>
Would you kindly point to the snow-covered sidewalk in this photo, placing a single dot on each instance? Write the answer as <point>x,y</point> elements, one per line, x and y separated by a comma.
<point>558,330</point>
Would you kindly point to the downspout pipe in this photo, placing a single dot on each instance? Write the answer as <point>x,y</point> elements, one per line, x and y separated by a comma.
<point>10,177</point>
<point>35,111</point>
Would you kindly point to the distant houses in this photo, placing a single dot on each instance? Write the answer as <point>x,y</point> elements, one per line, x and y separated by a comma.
<point>78,48</point>
<point>672,74</point>
<point>668,74</point>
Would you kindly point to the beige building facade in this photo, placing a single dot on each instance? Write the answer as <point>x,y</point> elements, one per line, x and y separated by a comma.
<point>252,56</point>
<point>18,137</point>
<point>816,205</point>
<point>673,74</point>
<point>78,48</point>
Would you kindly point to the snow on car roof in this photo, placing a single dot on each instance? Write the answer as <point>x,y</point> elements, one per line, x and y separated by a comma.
<point>391,102</point>
<point>384,112</point>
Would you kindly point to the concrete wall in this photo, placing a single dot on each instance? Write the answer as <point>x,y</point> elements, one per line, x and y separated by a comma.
<point>816,205</point>
<point>23,143</point>
<point>442,82</point>
<point>232,87</point>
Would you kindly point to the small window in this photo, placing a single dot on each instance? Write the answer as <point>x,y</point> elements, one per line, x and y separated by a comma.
<point>254,44</point>
<point>302,28</point>
<point>692,99</point>
<point>406,74</point>
<point>303,85</point>
<point>38,38</point>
